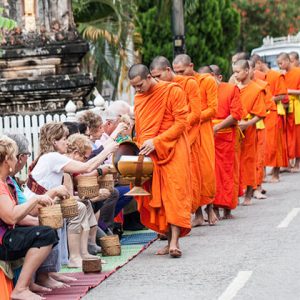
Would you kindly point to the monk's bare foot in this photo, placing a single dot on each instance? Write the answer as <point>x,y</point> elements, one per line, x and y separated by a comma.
<point>162,237</point>
<point>24,294</point>
<point>163,251</point>
<point>247,202</point>
<point>50,282</point>
<point>36,288</point>
<point>217,213</point>
<point>75,262</point>
<point>295,170</point>
<point>274,180</point>
<point>212,218</point>
<point>198,218</point>
<point>198,221</point>
<point>227,214</point>
<point>62,278</point>
<point>258,195</point>
<point>175,252</point>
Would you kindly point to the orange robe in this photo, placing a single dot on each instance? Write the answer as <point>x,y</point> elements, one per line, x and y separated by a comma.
<point>161,115</point>
<point>253,101</point>
<point>276,144</point>
<point>6,286</point>
<point>261,133</point>
<point>190,86</point>
<point>259,75</point>
<point>226,140</point>
<point>292,81</point>
<point>209,103</point>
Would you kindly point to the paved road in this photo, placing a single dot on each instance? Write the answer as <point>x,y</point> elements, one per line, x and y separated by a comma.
<point>245,258</point>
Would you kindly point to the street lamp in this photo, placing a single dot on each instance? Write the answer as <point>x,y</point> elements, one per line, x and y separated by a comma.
<point>178,27</point>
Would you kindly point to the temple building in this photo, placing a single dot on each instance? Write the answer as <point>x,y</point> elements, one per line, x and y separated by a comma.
<point>40,58</point>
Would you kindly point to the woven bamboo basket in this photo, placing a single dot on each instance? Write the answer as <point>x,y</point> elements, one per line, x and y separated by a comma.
<point>69,208</point>
<point>91,265</point>
<point>110,245</point>
<point>51,216</point>
<point>106,182</point>
<point>88,186</point>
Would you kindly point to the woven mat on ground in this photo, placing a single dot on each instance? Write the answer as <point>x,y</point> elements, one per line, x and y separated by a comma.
<point>87,281</point>
<point>141,238</point>
<point>78,288</point>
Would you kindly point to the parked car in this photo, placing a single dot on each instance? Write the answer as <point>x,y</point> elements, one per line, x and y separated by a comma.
<point>273,46</point>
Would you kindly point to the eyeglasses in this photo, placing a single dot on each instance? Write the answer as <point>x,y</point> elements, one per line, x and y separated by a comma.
<point>28,154</point>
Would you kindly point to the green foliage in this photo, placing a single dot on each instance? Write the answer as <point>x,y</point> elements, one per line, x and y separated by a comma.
<point>6,23</point>
<point>156,34</point>
<point>212,28</point>
<point>106,24</point>
<point>261,18</point>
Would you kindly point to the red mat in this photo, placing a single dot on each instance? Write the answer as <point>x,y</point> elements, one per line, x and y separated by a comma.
<point>78,288</point>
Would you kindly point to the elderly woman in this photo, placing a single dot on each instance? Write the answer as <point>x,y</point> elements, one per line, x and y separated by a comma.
<point>31,219</point>
<point>47,173</point>
<point>32,242</point>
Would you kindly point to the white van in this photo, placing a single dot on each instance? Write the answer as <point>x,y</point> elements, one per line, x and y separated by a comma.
<point>273,46</point>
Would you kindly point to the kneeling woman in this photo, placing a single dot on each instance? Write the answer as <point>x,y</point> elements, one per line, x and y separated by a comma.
<point>33,242</point>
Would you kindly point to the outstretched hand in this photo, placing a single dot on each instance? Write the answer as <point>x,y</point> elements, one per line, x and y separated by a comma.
<point>147,147</point>
<point>111,147</point>
<point>120,128</point>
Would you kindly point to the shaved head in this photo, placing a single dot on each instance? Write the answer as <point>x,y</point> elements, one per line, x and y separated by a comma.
<point>242,63</point>
<point>294,58</point>
<point>138,70</point>
<point>241,71</point>
<point>294,54</point>
<point>284,62</point>
<point>216,69</point>
<point>182,65</point>
<point>283,55</point>
<point>183,59</point>
<point>240,56</point>
<point>255,58</point>
<point>160,63</point>
<point>204,69</point>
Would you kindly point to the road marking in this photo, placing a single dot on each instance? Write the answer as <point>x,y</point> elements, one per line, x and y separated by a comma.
<point>237,284</point>
<point>289,218</point>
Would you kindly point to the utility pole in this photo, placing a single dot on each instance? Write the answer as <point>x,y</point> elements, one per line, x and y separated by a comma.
<point>178,27</point>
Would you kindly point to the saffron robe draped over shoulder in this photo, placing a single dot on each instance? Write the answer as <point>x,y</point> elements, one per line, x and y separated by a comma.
<point>253,101</point>
<point>209,103</point>
<point>292,82</point>
<point>161,114</point>
<point>227,166</point>
<point>190,86</point>
<point>275,122</point>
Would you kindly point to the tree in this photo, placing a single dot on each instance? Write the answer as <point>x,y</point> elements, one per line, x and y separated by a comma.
<point>212,28</point>
<point>108,26</point>
<point>261,18</point>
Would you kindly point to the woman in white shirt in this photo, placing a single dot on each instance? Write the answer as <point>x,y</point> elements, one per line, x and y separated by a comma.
<point>47,173</point>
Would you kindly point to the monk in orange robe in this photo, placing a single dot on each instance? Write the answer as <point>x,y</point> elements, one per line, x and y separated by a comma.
<point>161,69</point>
<point>183,65</point>
<point>292,82</point>
<point>276,146</point>
<point>294,58</point>
<point>227,143</point>
<point>161,120</point>
<point>260,127</point>
<point>254,109</point>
